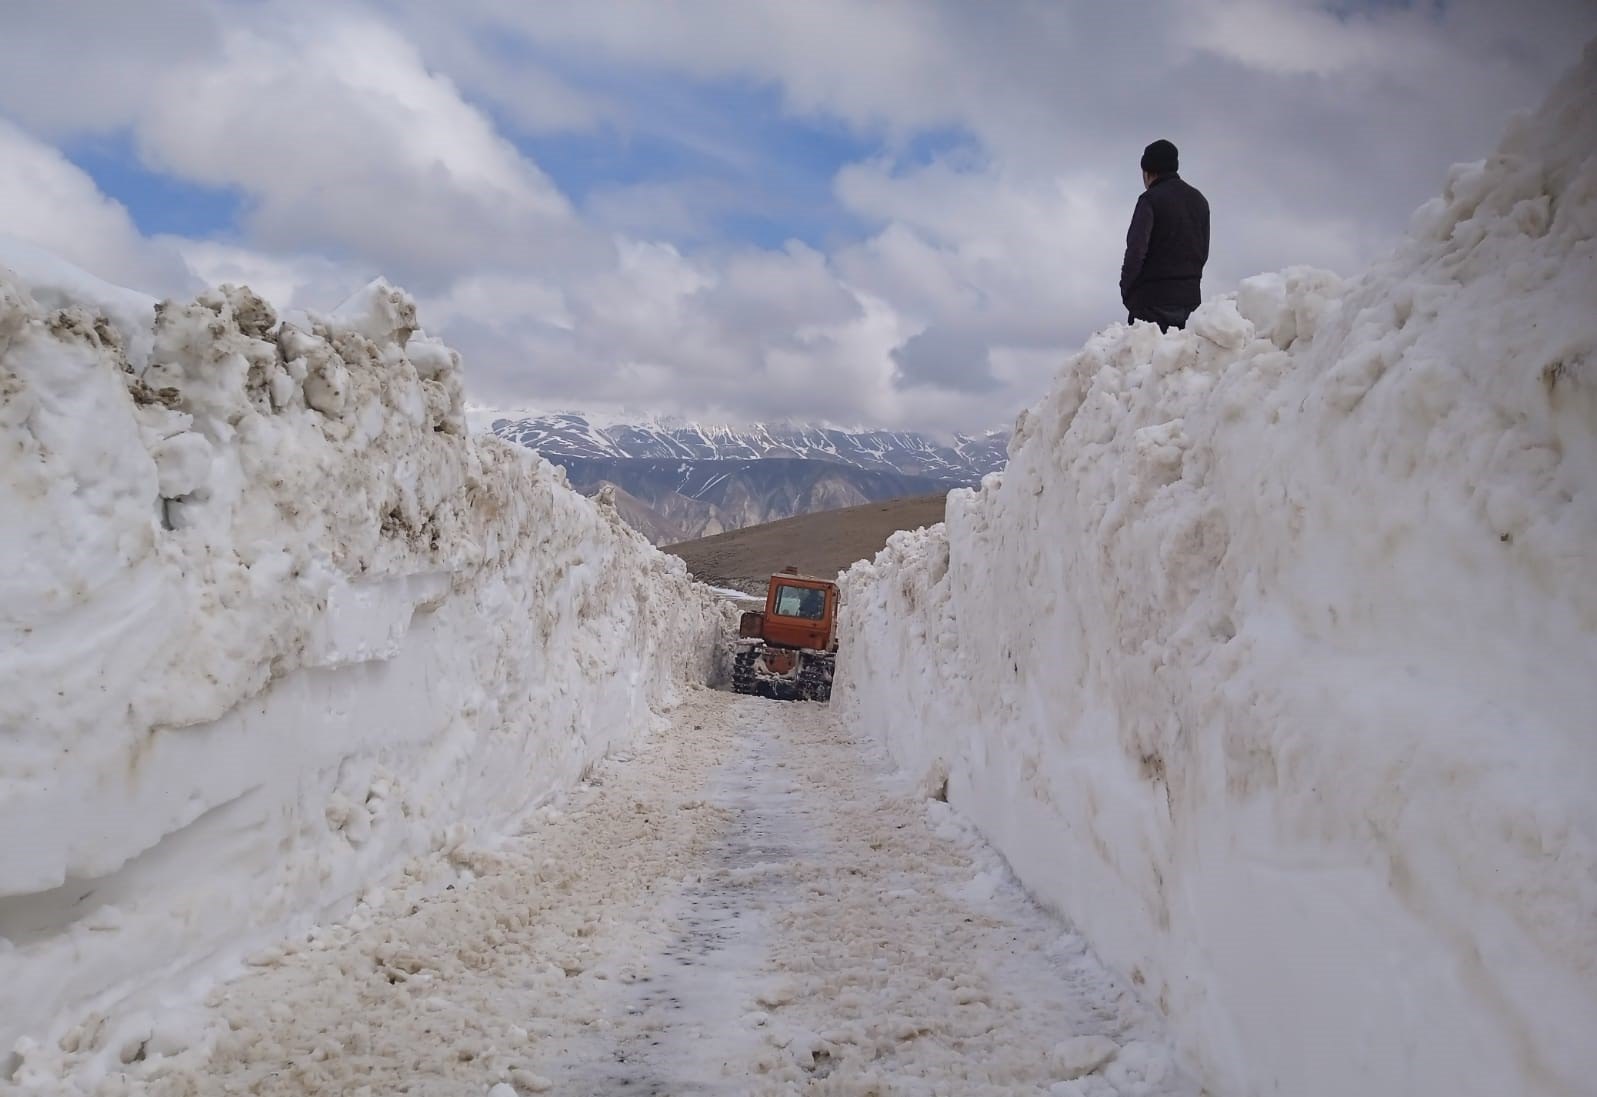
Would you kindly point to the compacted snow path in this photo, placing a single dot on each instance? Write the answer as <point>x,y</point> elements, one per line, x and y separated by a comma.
<point>749,904</point>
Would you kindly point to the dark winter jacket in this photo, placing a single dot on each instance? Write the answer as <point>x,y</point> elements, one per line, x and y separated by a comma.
<point>1165,250</point>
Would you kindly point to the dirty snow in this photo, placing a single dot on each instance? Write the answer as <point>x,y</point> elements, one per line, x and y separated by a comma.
<point>1269,659</point>
<point>271,628</point>
<point>747,905</point>
<point>737,595</point>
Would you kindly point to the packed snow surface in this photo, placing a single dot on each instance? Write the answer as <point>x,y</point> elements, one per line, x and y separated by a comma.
<point>1269,660</point>
<point>271,628</point>
<point>744,905</point>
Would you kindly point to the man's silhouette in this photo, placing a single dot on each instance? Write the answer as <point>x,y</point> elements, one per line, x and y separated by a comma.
<point>1167,246</point>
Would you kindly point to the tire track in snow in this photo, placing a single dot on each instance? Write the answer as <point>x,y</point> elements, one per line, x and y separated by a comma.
<point>904,959</point>
<point>748,905</point>
<point>688,1029</point>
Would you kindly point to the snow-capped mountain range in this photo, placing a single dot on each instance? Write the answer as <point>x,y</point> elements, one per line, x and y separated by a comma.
<point>964,460</point>
<point>681,481</point>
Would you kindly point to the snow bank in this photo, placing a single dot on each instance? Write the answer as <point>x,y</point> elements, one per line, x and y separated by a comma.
<point>1269,659</point>
<point>271,625</point>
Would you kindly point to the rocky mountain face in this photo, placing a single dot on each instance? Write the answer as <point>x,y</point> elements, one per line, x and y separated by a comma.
<point>681,482</point>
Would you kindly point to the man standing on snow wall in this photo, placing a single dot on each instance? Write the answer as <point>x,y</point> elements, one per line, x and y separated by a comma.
<point>1167,245</point>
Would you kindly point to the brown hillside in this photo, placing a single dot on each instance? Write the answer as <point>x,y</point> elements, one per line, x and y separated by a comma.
<point>823,543</point>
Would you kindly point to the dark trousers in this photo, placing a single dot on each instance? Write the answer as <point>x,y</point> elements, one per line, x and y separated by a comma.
<point>1166,316</point>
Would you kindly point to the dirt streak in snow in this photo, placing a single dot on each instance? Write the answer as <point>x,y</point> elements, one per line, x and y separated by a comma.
<point>747,906</point>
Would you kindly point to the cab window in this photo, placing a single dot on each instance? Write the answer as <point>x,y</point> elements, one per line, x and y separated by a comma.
<point>802,602</point>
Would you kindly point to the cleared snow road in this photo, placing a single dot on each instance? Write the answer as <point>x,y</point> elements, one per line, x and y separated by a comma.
<point>747,905</point>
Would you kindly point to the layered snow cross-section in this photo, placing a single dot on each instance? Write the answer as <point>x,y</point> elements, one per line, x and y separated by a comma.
<point>272,625</point>
<point>1270,658</point>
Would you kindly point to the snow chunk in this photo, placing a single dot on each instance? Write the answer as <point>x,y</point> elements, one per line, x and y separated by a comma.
<point>1220,323</point>
<point>327,388</point>
<point>1262,301</point>
<point>1283,306</point>
<point>528,1082</point>
<point>55,284</point>
<point>380,312</point>
<point>182,464</point>
<point>1081,1055</point>
<point>1138,1069</point>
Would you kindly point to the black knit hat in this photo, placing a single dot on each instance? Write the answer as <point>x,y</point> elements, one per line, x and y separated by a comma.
<point>1160,158</point>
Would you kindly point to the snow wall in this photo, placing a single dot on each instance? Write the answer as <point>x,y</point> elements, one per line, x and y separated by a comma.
<point>272,629</point>
<point>1271,659</point>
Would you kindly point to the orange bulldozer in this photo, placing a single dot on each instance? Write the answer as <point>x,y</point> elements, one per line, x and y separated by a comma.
<point>789,650</point>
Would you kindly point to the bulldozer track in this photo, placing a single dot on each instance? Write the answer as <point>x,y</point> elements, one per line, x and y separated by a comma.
<point>814,681</point>
<point>743,676</point>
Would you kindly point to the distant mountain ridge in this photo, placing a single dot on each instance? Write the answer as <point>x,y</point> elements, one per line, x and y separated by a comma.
<point>963,461</point>
<point>679,482</point>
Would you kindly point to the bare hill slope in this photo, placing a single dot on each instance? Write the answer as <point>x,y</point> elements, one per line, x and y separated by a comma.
<point>822,543</point>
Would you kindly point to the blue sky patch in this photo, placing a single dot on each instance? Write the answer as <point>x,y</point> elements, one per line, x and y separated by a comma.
<point>157,203</point>
<point>753,173</point>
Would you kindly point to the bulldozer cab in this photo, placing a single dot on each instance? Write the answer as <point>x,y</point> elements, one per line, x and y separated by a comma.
<point>803,603</point>
<point>800,612</point>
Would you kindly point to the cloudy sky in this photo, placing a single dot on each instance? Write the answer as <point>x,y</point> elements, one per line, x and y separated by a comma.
<point>894,213</point>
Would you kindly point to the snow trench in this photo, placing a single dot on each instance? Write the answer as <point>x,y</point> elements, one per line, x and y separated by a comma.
<point>1269,659</point>
<point>273,629</point>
